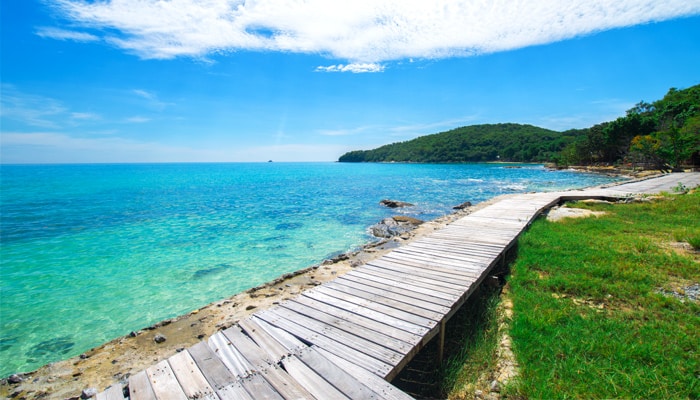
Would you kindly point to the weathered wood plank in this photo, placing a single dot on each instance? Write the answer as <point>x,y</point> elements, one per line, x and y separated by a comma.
<point>276,343</point>
<point>371,305</point>
<point>191,379</point>
<point>310,380</point>
<point>259,388</point>
<point>257,359</point>
<point>457,250</point>
<point>140,387</point>
<point>211,366</point>
<point>341,349</point>
<point>164,383</point>
<point>412,280</point>
<point>379,299</point>
<point>413,300</point>
<point>287,386</point>
<point>114,392</point>
<point>378,385</point>
<point>401,282</point>
<point>397,288</point>
<point>440,265</point>
<point>423,270</point>
<point>336,376</point>
<point>378,337</point>
<point>466,261</point>
<point>364,311</point>
<point>314,329</point>
<point>358,319</point>
<point>234,391</point>
<point>229,355</point>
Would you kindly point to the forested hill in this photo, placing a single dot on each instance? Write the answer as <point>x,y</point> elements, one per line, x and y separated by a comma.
<point>504,142</point>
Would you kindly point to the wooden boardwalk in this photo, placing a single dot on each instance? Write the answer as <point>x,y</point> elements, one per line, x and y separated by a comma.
<point>347,338</point>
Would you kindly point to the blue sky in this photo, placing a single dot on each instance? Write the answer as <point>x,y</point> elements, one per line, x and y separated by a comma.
<point>234,80</point>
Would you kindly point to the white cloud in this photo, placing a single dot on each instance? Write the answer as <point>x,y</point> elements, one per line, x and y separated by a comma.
<point>62,34</point>
<point>356,68</point>
<point>361,31</point>
<point>137,120</point>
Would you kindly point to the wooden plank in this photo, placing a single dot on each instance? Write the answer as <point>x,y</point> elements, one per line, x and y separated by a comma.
<point>259,388</point>
<point>363,311</point>
<point>164,382</point>
<point>460,243</point>
<point>437,269</point>
<point>114,392</point>
<point>370,305</point>
<point>466,261</point>
<point>457,249</point>
<point>310,380</point>
<point>425,313</point>
<point>258,359</point>
<point>229,355</point>
<point>211,366</point>
<point>276,343</point>
<point>336,376</point>
<point>191,379</point>
<point>358,319</point>
<point>313,329</point>
<point>287,386</point>
<point>378,385</point>
<point>399,282</point>
<point>234,391</point>
<point>411,280</point>
<point>140,387</point>
<point>422,270</point>
<point>436,273</point>
<point>341,349</point>
<point>378,337</point>
<point>412,299</point>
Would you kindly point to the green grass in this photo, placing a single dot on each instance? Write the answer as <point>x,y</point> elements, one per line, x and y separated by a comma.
<point>589,321</point>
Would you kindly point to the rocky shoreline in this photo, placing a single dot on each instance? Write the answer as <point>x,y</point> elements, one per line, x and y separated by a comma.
<point>113,362</point>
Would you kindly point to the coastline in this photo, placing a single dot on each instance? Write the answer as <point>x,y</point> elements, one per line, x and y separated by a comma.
<point>113,362</point>
<point>117,359</point>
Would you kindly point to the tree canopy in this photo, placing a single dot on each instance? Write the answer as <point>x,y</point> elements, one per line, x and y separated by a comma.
<point>507,142</point>
<point>663,134</point>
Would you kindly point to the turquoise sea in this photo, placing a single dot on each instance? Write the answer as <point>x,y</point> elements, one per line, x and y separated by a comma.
<point>92,252</point>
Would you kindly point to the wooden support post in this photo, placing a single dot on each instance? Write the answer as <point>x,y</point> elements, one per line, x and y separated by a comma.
<point>441,349</point>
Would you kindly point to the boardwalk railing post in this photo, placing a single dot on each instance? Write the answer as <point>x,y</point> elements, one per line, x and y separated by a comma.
<point>441,349</point>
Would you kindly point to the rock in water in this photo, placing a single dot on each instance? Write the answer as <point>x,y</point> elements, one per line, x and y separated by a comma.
<point>395,226</point>
<point>462,206</point>
<point>394,203</point>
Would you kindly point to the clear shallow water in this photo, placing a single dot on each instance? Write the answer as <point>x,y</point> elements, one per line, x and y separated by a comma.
<point>92,252</point>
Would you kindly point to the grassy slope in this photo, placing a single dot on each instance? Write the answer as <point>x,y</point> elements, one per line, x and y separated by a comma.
<point>589,321</point>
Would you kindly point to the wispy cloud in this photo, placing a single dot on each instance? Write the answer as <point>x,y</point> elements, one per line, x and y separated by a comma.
<point>152,99</point>
<point>34,110</point>
<point>356,68</point>
<point>137,120</point>
<point>62,34</point>
<point>39,111</point>
<point>363,31</point>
